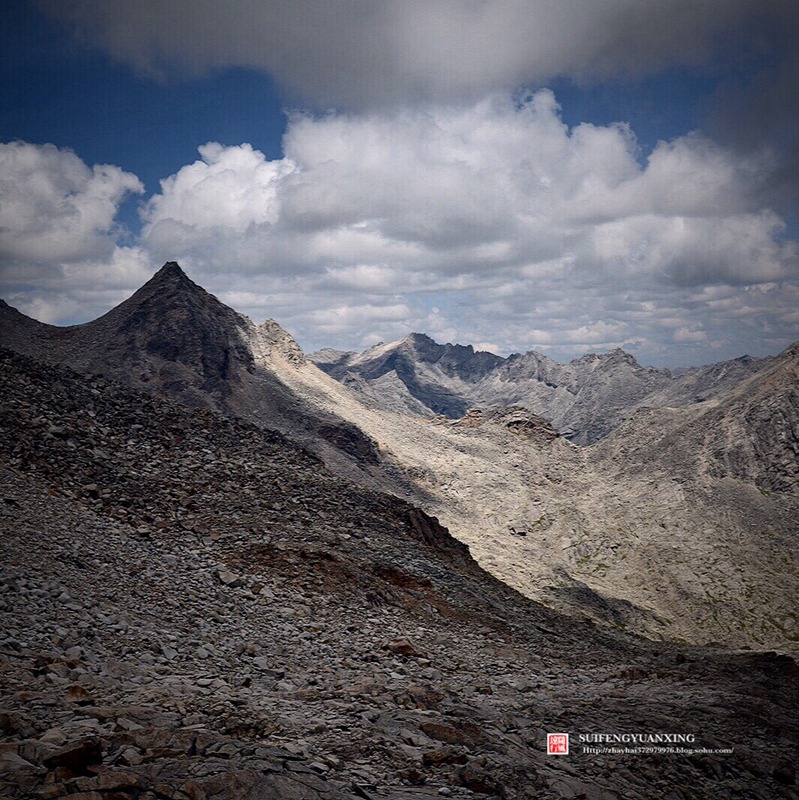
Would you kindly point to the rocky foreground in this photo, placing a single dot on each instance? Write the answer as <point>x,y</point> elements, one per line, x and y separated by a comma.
<point>192,607</point>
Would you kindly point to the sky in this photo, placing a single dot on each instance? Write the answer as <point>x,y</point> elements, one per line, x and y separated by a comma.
<point>566,177</point>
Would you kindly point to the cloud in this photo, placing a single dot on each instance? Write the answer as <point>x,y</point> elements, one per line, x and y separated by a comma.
<point>58,230</point>
<point>54,207</point>
<point>490,222</point>
<point>762,112</point>
<point>357,53</point>
<point>223,203</point>
<point>496,213</point>
<point>692,250</point>
<point>454,196</point>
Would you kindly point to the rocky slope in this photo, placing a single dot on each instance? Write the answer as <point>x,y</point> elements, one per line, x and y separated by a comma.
<point>750,434</point>
<point>194,607</point>
<point>585,399</point>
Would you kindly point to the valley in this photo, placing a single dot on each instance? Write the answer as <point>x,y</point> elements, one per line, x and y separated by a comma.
<point>227,574</point>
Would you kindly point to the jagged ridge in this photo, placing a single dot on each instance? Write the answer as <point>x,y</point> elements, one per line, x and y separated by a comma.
<point>585,399</point>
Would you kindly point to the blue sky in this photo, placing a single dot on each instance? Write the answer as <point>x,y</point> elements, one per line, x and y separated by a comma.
<point>539,175</point>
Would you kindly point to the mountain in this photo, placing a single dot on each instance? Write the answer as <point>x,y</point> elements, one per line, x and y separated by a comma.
<point>619,532</point>
<point>192,606</point>
<point>171,337</point>
<point>675,525</point>
<point>427,377</point>
<point>700,384</point>
<point>585,399</point>
<point>174,339</point>
<point>749,434</point>
<point>708,558</point>
<point>700,505</point>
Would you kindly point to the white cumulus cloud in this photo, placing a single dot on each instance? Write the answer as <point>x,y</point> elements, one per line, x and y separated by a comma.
<point>490,222</point>
<point>496,213</point>
<point>464,194</point>
<point>54,208</point>
<point>361,55</point>
<point>58,233</point>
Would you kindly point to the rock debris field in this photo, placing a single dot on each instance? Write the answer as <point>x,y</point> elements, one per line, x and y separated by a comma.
<point>194,608</point>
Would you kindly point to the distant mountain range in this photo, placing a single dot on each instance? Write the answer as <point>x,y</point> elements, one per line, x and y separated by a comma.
<point>678,521</point>
<point>585,399</point>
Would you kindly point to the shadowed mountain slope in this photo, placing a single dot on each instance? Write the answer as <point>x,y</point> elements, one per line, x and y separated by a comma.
<point>174,339</point>
<point>171,337</point>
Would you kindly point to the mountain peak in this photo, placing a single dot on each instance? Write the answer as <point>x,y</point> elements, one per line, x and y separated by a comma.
<point>611,358</point>
<point>421,337</point>
<point>792,351</point>
<point>171,268</point>
<point>420,340</point>
<point>619,356</point>
<point>168,291</point>
<point>170,274</point>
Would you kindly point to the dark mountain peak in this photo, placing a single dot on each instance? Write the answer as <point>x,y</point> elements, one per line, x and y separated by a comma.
<point>171,271</point>
<point>170,302</point>
<point>169,283</point>
<point>171,337</point>
<point>421,339</point>
<point>433,351</point>
<point>455,360</point>
<point>173,321</point>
